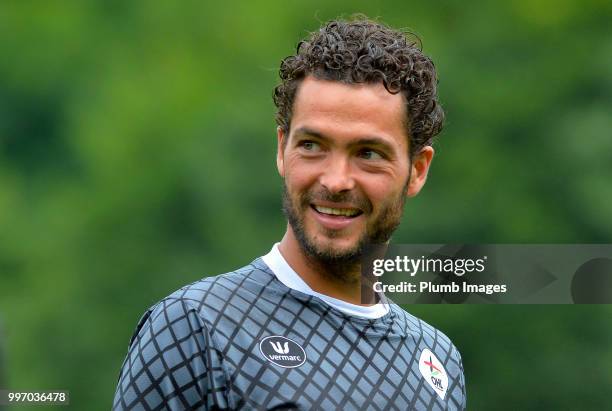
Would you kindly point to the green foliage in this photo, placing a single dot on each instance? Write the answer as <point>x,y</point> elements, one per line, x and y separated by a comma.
<point>137,148</point>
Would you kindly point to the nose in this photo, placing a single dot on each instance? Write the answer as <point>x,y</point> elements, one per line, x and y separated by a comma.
<point>337,176</point>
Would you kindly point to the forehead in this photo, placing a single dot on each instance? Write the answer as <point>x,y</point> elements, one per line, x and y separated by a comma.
<point>350,110</point>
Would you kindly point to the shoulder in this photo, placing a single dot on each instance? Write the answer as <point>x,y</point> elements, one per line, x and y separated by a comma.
<point>182,332</point>
<point>421,329</point>
<point>430,340</point>
<point>218,295</point>
<point>428,336</point>
<point>222,285</point>
<point>246,282</point>
<point>198,306</point>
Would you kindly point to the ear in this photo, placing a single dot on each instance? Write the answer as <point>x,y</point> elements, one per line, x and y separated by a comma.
<point>280,161</point>
<point>419,169</point>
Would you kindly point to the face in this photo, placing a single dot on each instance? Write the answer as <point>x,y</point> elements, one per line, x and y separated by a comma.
<point>346,167</point>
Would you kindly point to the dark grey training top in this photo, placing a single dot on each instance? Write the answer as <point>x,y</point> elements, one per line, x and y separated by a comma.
<point>243,340</point>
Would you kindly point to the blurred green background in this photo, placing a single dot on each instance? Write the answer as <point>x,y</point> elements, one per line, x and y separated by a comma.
<point>137,147</point>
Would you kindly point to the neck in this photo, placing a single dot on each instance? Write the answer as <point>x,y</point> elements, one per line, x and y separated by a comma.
<point>317,275</point>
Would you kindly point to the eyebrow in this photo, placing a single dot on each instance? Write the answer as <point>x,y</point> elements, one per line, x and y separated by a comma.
<point>364,141</point>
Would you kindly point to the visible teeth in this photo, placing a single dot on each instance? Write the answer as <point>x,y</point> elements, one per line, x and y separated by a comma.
<point>348,212</point>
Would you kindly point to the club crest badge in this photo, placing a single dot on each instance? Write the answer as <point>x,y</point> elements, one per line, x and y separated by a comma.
<point>282,351</point>
<point>434,373</point>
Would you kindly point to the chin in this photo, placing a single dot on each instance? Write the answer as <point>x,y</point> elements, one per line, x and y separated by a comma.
<point>336,246</point>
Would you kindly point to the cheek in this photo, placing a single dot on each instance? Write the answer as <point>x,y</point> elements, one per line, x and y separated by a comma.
<point>380,188</point>
<point>295,183</point>
<point>382,191</point>
<point>299,175</point>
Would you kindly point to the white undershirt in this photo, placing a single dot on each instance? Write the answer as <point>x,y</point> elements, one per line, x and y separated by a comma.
<point>286,275</point>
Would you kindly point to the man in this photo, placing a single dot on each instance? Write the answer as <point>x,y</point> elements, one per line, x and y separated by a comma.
<point>357,111</point>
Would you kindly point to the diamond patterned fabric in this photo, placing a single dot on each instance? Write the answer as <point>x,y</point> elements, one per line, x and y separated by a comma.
<point>199,348</point>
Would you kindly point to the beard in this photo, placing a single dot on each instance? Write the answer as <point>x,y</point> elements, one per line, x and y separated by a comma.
<point>341,264</point>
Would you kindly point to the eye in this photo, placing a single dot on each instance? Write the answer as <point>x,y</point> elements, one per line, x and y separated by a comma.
<point>310,146</point>
<point>368,154</point>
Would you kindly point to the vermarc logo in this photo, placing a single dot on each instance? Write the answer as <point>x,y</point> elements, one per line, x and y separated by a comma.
<point>277,347</point>
<point>282,351</point>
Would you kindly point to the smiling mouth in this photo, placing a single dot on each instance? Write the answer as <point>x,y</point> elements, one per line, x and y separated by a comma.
<point>337,212</point>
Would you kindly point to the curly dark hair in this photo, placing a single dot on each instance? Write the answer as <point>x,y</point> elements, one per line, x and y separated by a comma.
<point>360,50</point>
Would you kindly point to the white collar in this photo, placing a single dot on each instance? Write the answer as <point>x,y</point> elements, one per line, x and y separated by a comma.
<point>286,275</point>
